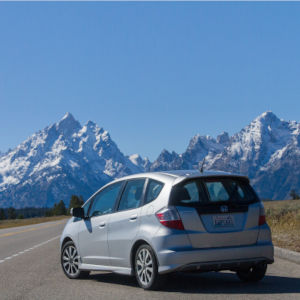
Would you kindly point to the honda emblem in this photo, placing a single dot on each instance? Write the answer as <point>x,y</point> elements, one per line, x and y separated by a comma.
<point>224,208</point>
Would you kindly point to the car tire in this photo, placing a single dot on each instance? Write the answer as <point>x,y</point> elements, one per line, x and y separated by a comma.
<point>70,262</point>
<point>253,274</point>
<point>146,268</point>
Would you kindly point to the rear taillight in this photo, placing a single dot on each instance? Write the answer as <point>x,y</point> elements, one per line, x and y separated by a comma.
<point>262,216</point>
<point>262,220</point>
<point>170,218</point>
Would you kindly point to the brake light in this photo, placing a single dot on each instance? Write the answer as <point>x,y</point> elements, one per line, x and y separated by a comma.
<point>262,220</point>
<point>262,216</point>
<point>170,218</point>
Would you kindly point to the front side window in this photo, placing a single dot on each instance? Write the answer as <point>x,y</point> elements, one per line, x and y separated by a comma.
<point>86,207</point>
<point>132,195</point>
<point>153,190</point>
<point>104,202</point>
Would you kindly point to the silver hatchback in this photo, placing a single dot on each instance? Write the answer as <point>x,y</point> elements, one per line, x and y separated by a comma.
<point>151,224</point>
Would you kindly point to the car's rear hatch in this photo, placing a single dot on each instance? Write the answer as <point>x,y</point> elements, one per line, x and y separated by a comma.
<point>218,211</point>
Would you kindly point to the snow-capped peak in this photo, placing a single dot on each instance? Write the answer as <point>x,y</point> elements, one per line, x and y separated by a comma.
<point>136,159</point>
<point>68,125</point>
<point>223,138</point>
<point>66,158</point>
<point>91,124</point>
<point>267,118</point>
<point>67,115</point>
<point>62,159</point>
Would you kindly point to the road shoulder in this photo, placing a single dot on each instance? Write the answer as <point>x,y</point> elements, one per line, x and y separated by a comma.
<point>289,255</point>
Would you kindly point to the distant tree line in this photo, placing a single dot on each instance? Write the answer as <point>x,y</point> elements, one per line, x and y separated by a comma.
<point>58,209</point>
<point>294,195</point>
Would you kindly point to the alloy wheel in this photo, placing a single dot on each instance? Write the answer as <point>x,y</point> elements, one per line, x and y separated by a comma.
<point>70,260</point>
<point>144,266</point>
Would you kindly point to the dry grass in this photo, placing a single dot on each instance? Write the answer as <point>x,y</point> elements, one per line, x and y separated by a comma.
<point>284,220</point>
<point>23,222</point>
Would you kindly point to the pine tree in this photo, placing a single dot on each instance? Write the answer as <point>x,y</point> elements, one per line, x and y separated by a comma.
<point>49,212</point>
<point>54,210</point>
<point>75,201</point>
<point>2,214</point>
<point>11,213</point>
<point>61,208</point>
<point>294,195</point>
<point>81,200</point>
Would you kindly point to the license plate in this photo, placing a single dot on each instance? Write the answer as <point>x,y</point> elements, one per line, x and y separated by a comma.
<point>223,221</point>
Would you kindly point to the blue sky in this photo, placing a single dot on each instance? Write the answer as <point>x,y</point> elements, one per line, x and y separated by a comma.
<point>152,74</point>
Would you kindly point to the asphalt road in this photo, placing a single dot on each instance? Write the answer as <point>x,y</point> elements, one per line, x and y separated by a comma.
<point>30,269</point>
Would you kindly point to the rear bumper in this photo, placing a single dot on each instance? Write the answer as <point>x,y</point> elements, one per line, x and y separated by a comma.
<point>215,259</point>
<point>232,265</point>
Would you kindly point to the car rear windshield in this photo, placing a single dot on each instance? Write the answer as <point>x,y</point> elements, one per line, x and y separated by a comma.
<point>208,191</point>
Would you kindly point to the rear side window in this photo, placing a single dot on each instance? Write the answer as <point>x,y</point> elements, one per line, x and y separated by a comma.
<point>153,190</point>
<point>132,195</point>
<point>198,192</point>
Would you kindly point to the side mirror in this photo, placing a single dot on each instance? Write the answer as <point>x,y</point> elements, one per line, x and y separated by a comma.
<point>78,212</point>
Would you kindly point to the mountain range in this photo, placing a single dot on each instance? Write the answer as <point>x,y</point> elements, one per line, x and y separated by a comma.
<point>67,158</point>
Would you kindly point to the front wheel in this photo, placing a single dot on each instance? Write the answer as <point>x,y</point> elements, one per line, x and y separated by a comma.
<point>253,274</point>
<point>70,261</point>
<point>146,268</point>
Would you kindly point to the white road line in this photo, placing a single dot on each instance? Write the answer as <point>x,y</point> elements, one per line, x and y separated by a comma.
<point>29,249</point>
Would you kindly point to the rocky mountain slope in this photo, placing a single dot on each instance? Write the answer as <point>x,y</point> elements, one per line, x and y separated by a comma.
<point>67,158</point>
<point>267,150</point>
<point>63,159</point>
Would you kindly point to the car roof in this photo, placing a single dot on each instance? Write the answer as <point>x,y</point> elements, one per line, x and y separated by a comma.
<point>177,176</point>
<point>173,177</point>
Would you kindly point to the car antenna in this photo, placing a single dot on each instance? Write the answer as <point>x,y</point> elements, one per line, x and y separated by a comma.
<point>202,165</point>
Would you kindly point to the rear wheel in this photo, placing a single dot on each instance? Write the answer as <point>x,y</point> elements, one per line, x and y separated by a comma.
<point>253,274</point>
<point>70,262</point>
<point>146,268</point>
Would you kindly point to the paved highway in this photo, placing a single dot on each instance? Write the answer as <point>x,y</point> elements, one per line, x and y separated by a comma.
<point>30,269</point>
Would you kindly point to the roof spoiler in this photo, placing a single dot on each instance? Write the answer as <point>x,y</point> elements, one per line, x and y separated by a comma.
<point>181,179</point>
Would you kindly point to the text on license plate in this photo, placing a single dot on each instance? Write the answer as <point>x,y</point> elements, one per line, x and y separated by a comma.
<point>223,221</point>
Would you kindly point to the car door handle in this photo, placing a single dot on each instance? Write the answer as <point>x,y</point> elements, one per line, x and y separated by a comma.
<point>133,218</point>
<point>101,225</point>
